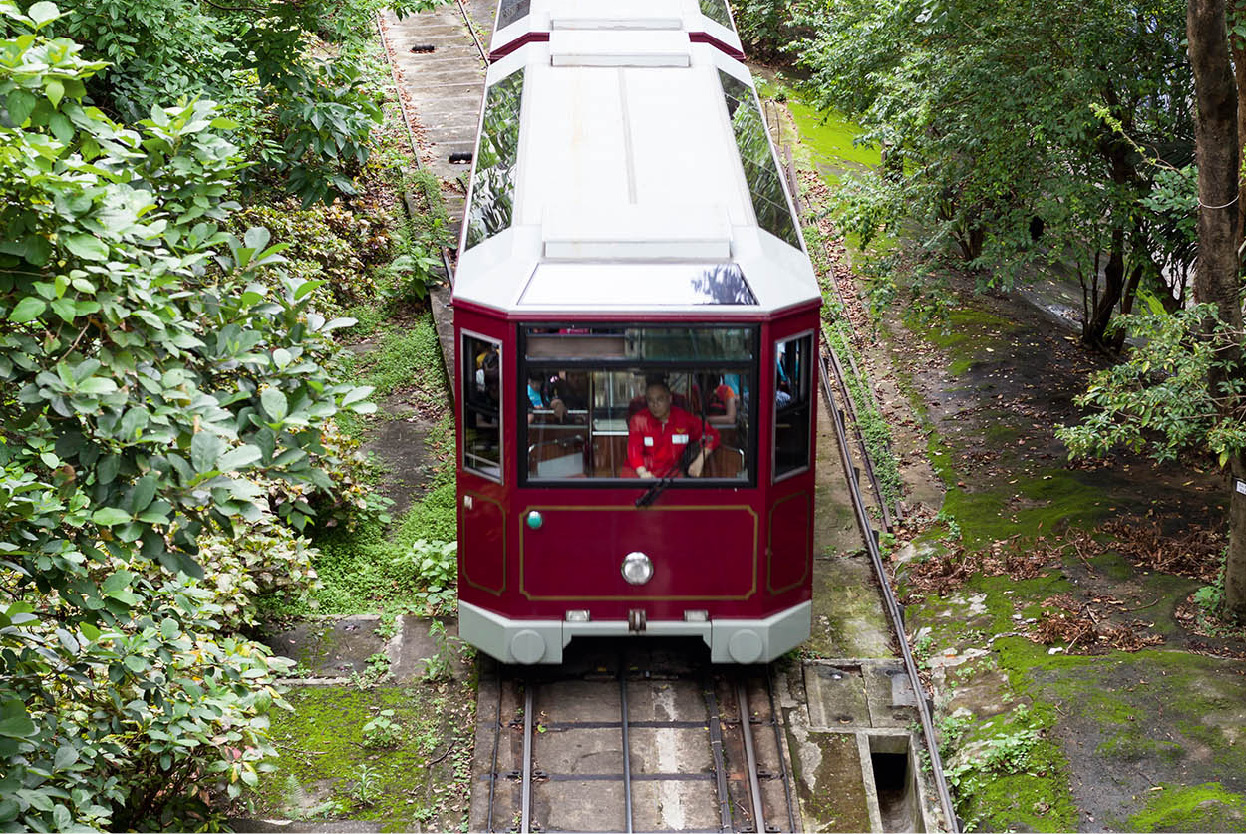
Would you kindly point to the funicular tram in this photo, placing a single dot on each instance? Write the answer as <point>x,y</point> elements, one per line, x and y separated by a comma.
<point>635,326</point>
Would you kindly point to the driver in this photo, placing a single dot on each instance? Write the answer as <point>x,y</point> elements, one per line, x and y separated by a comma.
<point>658,434</point>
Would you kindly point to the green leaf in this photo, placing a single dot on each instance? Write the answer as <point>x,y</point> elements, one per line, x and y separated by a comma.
<point>65,756</point>
<point>275,404</point>
<point>28,309</point>
<point>356,394</point>
<point>111,516</point>
<point>205,450</point>
<point>238,458</point>
<point>87,247</point>
<point>20,104</point>
<point>307,288</point>
<point>98,385</point>
<point>15,721</point>
<point>43,13</point>
<point>55,91</point>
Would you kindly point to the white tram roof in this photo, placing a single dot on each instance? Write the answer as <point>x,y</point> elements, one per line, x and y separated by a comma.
<point>518,20</point>
<point>623,188</point>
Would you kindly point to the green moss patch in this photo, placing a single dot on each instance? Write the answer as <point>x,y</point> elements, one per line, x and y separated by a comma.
<point>1030,507</point>
<point>332,767</point>
<point>1206,807</point>
<point>827,141</point>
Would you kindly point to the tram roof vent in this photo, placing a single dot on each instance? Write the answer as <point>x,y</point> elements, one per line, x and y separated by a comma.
<point>619,49</point>
<point>636,233</point>
<point>639,15</point>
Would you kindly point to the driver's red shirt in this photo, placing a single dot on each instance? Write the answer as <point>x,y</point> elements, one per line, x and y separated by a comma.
<point>657,446</point>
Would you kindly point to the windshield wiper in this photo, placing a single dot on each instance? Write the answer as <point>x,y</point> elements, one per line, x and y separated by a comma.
<point>679,469</point>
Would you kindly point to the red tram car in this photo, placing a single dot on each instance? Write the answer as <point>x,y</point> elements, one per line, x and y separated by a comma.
<point>635,325</point>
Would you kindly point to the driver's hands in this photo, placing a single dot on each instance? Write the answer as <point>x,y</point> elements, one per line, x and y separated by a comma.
<point>694,468</point>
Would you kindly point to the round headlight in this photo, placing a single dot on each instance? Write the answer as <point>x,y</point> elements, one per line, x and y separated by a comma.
<point>637,568</point>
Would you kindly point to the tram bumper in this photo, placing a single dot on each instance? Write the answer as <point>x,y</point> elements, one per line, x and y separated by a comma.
<point>531,642</point>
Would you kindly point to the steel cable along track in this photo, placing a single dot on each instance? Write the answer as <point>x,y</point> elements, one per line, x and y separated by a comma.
<point>829,367</point>
<point>696,765</point>
<point>446,252</point>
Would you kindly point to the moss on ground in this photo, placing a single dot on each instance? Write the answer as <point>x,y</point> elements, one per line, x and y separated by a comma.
<point>1206,807</point>
<point>828,138</point>
<point>1031,507</point>
<point>328,768</point>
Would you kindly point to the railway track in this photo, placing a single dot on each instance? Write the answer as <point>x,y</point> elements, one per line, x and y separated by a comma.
<point>623,739</point>
<point>635,739</point>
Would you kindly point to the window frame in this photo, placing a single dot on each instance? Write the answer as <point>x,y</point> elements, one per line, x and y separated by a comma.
<point>806,378</point>
<point>755,170</point>
<point>475,231</point>
<point>752,437</point>
<point>464,381</point>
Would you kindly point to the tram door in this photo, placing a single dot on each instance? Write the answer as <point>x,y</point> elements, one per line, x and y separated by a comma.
<point>481,481</point>
<point>790,540</point>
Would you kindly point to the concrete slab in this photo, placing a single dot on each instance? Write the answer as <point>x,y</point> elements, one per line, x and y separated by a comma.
<point>836,697</point>
<point>580,752</point>
<point>416,647</point>
<point>890,695</point>
<point>686,805</point>
<point>579,806</point>
<point>849,619</point>
<point>651,701</point>
<point>331,649</point>
<point>565,702</point>
<point>831,792</point>
<point>670,751</point>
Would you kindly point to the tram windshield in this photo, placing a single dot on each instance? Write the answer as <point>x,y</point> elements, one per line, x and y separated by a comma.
<point>638,402</point>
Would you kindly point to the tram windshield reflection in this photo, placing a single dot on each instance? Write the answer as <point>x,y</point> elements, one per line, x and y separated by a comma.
<point>586,413</point>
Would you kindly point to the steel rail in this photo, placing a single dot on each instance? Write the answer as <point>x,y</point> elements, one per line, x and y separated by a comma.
<point>716,747</point>
<point>406,121</point>
<point>484,55</point>
<point>750,757</point>
<point>779,747</point>
<point>627,748</point>
<point>497,743</point>
<point>889,599</point>
<point>866,463</point>
<point>525,790</point>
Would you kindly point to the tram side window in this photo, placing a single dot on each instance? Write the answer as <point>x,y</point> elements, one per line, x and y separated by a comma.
<point>792,401</point>
<point>481,366</point>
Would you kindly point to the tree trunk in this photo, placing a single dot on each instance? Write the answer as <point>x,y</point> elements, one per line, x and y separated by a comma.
<point>1237,48</point>
<point>1104,304</point>
<point>1216,276</point>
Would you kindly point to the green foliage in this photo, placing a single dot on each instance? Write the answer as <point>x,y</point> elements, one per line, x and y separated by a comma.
<point>1159,399</point>
<point>449,649</point>
<point>304,118</point>
<point>990,115</point>
<point>433,566</point>
<point>331,243</point>
<point>382,732</point>
<point>157,402</point>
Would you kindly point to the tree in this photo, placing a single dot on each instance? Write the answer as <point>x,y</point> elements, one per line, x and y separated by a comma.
<point>160,381</point>
<point>1184,386</point>
<point>1217,277</point>
<point>992,115</point>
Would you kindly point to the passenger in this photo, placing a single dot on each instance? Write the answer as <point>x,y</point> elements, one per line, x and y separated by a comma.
<point>567,391</point>
<point>722,406</point>
<point>658,435</point>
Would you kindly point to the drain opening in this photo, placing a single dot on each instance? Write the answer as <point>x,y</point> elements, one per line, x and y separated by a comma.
<point>891,761</point>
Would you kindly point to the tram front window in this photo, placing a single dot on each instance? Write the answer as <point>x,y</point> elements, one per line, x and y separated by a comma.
<point>620,404</point>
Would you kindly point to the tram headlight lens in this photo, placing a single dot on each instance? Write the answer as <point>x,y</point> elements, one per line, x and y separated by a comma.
<point>637,568</point>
